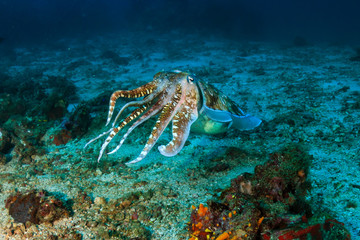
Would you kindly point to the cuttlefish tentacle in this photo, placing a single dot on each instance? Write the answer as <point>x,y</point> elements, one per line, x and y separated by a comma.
<point>181,125</point>
<point>136,113</point>
<point>135,93</point>
<point>94,139</point>
<point>164,119</point>
<point>155,109</point>
<point>146,100</point>
<point>189,103</point>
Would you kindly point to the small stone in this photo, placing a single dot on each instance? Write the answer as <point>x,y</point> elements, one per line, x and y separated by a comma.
<point>125,203</point>
<point>91,224</point>
<point>98,172</point>
<point>18,232</point>
<point>33,228</point>
<point>99,201</point>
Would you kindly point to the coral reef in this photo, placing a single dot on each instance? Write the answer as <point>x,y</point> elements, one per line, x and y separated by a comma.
<point>20,139</point>
<point>32,94</point>
<point>10,106</point>
<point>269,204</point>
<point>79,120</point>
<point>76,124</point>
<point>31,103</point>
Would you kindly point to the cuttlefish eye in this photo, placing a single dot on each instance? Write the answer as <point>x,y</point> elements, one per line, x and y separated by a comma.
<point>190,79</point>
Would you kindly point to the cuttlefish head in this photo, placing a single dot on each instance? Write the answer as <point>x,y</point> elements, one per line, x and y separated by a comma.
<point>216,112</point>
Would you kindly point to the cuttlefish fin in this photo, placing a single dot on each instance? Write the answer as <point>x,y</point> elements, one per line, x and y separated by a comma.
<point>241,122</point>
<point>246,122</point>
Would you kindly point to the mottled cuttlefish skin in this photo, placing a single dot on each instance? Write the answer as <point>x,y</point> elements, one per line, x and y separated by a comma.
<point>176,97</point>
<point>172,95</point>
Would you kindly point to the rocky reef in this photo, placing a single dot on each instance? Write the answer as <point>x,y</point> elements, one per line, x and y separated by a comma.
<point>268,204</point>
<point>34,207</point>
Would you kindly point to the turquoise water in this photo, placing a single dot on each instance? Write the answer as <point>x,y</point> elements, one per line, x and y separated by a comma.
<point>58,70</point>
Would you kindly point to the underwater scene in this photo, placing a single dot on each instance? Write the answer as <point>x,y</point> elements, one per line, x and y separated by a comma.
<point>179,120</point>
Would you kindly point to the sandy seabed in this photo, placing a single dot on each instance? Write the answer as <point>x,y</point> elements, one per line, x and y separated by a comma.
<point>308,94</point>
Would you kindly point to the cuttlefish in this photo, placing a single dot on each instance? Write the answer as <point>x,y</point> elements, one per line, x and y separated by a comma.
<point>177,97</point>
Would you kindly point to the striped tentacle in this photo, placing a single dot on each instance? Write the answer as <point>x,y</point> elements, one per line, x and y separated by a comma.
<point>94,139</point>
<point>155,109</point>
<point>135,93</point>
<point>146,100</point>
<point>113,131</point>
<point>165,117</point>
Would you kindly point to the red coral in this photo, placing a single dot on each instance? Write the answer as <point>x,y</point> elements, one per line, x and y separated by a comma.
<point>313,230</point>
<point>317,231</point>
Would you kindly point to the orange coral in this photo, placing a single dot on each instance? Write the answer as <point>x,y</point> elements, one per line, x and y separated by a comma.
<point>200,223</point>
<point>202,210</point>
<point>223,236</point>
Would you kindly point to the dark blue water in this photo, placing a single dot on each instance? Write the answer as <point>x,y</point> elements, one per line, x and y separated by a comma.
<point>326,20</point>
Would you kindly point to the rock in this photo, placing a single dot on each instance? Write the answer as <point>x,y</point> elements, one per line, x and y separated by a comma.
<point>99,201</point>
<point>35,207</point>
